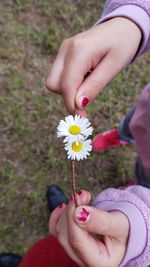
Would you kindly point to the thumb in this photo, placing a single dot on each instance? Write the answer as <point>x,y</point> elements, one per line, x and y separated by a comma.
<point>104,72</point>
<point>100,222</point>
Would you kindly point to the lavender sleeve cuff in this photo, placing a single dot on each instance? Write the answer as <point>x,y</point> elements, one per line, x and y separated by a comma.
<point>137,227</point>
<point>137,15</point>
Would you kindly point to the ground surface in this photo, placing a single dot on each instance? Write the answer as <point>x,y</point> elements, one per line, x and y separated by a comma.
<point>30,155</point>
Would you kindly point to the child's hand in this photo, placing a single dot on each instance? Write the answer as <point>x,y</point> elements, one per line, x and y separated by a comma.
<point>87,62</point>
<point>91,237</point>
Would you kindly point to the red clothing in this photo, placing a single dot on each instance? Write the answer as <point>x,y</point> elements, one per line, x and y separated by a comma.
<point>47,253</point>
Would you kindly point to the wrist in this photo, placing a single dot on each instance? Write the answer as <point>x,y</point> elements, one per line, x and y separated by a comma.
<point>135,14</point>
<point>137,227</point>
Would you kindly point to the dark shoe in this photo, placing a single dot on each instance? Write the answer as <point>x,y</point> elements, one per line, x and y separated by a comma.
<point>55,197</point>
<point>9,260</point>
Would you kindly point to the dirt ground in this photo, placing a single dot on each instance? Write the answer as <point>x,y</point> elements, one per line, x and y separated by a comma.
<point>31,157</point>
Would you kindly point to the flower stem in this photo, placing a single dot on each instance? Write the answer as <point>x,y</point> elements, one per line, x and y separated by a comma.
<point>73,182</point>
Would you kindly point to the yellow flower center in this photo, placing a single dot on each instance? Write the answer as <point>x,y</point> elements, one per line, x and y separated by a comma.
<point>74,129</point>
<point>76,147</point>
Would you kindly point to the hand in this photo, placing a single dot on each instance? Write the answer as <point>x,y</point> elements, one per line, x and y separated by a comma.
<point>90,236</point>
<point>88,61</point>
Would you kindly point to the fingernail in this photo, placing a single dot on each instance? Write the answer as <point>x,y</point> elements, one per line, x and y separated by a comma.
<point>60,206</point>
<point>80,193</point>
<point>82,215</point>
<point>71,198</point>
<point>84,101</point>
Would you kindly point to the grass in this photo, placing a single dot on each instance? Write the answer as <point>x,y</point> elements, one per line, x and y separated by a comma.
<point>30,155</point>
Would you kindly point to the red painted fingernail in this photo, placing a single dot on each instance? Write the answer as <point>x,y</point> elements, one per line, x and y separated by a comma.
<point>60,206</point>
<point>85,101</point>
<point>83,216</point>
<point>80,193</point>
<point>71,198</point>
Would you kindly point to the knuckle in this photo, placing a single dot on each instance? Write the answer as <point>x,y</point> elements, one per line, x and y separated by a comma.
<point>66,41</point>
<point>66,44</point>
<point>75,44</point>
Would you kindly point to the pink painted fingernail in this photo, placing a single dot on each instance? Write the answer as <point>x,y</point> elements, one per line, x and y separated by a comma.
<point>82,216</point>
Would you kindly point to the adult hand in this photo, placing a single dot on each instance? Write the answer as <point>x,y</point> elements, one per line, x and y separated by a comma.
<point>88,61</point>
<point>90,236</point>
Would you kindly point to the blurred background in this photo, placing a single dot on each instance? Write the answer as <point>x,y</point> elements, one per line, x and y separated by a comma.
<point>31,157</point>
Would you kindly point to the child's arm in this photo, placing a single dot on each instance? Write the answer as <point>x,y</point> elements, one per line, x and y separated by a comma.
<point>98,241</point>
<point>119,223</point>
<point>102,52</point>
<point>137,11</point>
<point>123,34</point>
<point>134,203</point>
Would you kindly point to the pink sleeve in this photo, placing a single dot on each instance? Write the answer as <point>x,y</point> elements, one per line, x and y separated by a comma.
<point>138,11</point>
<point>134,202</point>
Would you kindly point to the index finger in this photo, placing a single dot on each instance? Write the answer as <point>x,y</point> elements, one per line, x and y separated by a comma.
<point>74,71</point>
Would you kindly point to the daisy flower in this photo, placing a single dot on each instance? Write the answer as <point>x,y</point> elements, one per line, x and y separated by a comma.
<point>74,129</point>
<point>78,151</point>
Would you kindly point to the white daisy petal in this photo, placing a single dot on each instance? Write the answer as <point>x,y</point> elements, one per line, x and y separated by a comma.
<point>74,129</point>
<point>78,151</point>
<point>69,120</point>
